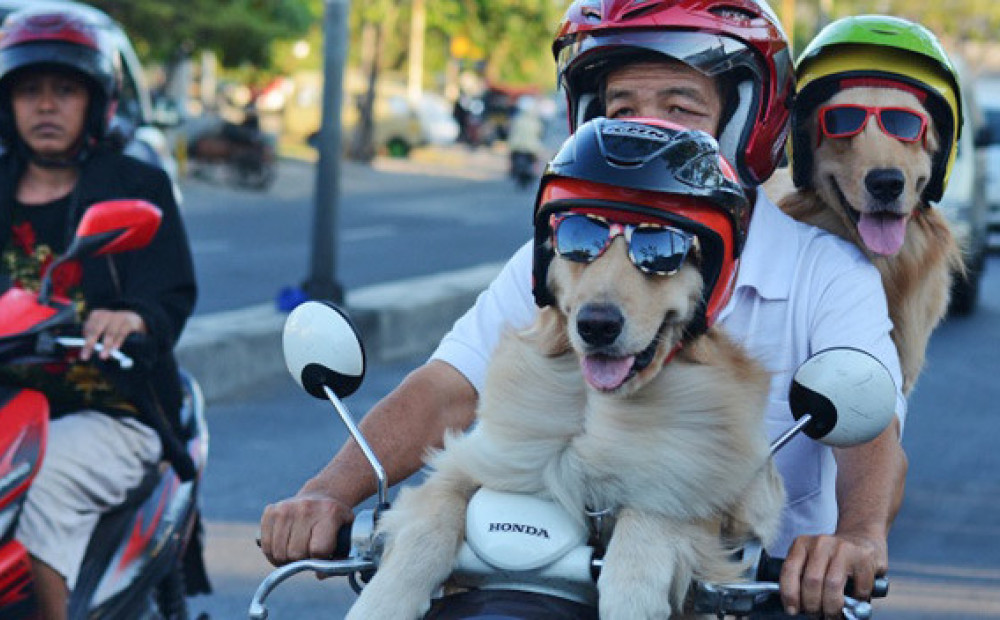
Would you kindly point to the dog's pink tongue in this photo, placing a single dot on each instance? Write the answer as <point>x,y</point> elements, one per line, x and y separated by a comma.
<point>883,234</point>
<point>606,373</point>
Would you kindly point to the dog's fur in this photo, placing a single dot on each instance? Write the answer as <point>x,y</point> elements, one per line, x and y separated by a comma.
<point>678,450</point>
<point>917,279</point>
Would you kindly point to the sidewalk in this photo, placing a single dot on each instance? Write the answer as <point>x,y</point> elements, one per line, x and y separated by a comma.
<point>229,351</point>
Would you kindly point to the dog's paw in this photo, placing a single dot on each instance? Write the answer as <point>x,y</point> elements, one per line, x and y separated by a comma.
<point>633,597</point>
<point>378,603</point>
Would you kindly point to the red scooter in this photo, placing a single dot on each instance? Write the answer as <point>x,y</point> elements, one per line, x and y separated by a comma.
<point>133,566</point>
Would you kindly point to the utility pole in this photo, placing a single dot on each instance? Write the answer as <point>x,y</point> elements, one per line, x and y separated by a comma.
<point>322,283</point>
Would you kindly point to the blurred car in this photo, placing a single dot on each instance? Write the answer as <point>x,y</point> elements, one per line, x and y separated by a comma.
<point>134,118</point>
<point>401,126</point>
<point>964,203</point>
<point>988,92</point>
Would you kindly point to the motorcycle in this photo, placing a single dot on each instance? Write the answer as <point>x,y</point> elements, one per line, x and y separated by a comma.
<point>522,168</point>
<point>524,556</point>
<point>133,566</point>
<point>246,155</point>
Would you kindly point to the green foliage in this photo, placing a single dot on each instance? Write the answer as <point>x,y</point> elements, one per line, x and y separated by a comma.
<point>510,38</point>
<point>239,31</point>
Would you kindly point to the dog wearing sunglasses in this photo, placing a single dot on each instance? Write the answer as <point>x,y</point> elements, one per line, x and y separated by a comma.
<point>873,149</point>
<point>605,403</point>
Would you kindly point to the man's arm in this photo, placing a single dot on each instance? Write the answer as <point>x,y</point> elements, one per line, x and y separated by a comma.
<point>870,482</point>
<point>400,428</point>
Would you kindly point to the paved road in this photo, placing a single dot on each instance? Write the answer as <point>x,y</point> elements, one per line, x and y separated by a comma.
<point>945,561</point>
<point>398,219</point>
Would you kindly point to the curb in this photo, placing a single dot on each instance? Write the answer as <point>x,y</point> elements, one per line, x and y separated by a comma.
<point>231,351</point>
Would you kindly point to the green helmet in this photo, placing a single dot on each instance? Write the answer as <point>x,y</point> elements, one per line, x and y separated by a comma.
<point>881,47</point>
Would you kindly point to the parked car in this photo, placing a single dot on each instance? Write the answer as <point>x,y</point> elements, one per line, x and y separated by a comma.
<point>965,203</point>
<point>988,92</point>
<point>401,126</point>
<point>134,116</point>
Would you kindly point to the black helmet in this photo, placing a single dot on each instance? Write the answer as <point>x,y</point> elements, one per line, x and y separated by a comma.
<point>65,39</point>
<point>651,170</point>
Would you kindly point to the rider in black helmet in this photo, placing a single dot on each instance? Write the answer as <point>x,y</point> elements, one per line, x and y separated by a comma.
<point>59,82</point>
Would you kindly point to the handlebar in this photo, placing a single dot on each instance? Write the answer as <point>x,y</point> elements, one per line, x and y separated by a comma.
<point>71,342</point>
<point>769,570</point>
<point>742,598</point>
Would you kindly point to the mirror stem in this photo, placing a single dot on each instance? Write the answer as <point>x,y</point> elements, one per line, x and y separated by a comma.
<point>787,436</point>
<point>365,448</point>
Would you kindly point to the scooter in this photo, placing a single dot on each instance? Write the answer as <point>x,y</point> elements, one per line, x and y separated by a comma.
<point>522,168</point>
<point>524,556</point>
<point>246,155</point>
<point>132,568</point>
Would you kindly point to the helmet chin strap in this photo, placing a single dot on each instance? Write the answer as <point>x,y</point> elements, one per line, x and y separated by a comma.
<point>78,154</point>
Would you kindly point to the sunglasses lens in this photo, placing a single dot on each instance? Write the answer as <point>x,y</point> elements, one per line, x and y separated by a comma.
<point>659,250</point>
<point>844,121</point>
<point>902,124</point>
<point>579,238</point>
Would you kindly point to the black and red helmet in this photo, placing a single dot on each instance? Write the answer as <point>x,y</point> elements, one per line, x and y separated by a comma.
<point>740,41</point>
<point>648,170</point>
<point>62,39</point>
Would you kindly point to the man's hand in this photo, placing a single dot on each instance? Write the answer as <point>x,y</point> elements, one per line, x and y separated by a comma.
<point>817,567</point>
<point>304,526</point>
<point>110,327</point>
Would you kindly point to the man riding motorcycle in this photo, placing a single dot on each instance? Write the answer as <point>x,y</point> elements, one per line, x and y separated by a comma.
<point>725,68</point>
<point>59,83</point>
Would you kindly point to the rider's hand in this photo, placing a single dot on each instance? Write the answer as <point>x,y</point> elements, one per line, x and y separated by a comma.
<point>304,526</point>
<point>110,327</point>
<point>817,567</point>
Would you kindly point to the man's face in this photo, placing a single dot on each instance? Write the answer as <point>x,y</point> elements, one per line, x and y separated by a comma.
<point>666,90</point>
<point>50,110</point>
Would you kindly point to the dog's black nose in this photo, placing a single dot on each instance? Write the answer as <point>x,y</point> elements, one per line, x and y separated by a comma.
<point>599,324</point>
<point>885,184</point>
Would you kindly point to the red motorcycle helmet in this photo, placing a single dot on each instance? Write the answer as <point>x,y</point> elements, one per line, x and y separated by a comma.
<point>740,41</point>
<point>61,39</point>
<point>648,170</point>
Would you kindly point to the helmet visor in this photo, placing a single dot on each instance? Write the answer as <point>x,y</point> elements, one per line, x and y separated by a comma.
<point>589,57</point>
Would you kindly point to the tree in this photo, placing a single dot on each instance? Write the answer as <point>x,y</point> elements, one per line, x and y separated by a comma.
<point>238,31</point>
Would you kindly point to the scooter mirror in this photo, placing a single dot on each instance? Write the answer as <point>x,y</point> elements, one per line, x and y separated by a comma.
<point>322,348</point>
<point>849,394</point>
<point>107,227</point>
<point>115,226</point>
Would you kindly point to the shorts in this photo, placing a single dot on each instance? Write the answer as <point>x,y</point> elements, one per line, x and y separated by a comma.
<point>91,462</point>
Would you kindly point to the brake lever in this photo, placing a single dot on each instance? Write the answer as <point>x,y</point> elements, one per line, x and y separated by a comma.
<point>325,568</point>
<point>70,342</point>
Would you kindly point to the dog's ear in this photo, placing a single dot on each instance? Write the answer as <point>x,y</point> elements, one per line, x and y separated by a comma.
<point>548,332</point>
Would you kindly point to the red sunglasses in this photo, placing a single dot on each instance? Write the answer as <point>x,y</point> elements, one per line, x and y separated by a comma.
<point>848,119</point>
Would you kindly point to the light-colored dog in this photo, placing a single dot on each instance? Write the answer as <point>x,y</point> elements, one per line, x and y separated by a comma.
<point>867,189</point>
<point>675,446</point>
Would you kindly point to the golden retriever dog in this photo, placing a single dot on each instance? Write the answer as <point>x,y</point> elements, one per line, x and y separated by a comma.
<point>593,408</point>
<point>867,189</point>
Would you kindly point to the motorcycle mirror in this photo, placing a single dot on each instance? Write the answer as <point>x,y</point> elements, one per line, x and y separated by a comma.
<point>322,348</point>
<point>107,227</point>
<point>848,394</point>
<point>115,226</point>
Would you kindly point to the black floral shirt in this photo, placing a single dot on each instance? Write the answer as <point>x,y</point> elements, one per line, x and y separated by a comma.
<point>38,236</point>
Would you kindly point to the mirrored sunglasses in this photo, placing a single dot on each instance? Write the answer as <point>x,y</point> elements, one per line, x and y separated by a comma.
<point>653,248</point>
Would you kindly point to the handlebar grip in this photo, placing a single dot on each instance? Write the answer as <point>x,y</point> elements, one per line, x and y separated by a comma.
<point>769,569</point>
<point>343,548</point>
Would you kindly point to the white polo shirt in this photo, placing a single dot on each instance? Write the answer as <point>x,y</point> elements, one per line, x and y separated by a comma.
<point>799,290</point>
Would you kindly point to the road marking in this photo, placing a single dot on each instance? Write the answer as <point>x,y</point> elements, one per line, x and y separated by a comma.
<point>211,246</point>
<point>366,233</point>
